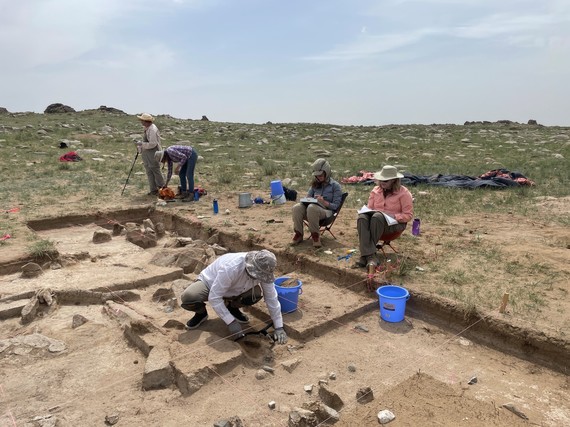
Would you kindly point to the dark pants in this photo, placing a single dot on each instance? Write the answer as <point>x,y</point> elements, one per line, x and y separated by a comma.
<point>371,228</point>
<point>195,296</point>
<point>186,173</point>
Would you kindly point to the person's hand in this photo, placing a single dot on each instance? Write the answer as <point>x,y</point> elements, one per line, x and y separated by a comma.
<point>280,336</point>
<point>138,143</point>
<point>235,330</point>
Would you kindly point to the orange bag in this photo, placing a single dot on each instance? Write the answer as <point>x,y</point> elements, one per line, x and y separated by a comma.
<point>166,193</point>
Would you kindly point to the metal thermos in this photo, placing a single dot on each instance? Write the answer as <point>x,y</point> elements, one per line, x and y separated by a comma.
<point>416,227</point>
<point>215,205</point>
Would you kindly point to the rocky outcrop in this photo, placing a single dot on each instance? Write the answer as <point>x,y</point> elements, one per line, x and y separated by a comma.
<point>58,108</point>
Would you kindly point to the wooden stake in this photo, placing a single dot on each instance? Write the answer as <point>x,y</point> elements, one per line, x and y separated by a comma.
<point>504,302</point>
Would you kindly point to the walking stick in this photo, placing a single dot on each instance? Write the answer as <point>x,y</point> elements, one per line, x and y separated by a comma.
<point>127,181</point>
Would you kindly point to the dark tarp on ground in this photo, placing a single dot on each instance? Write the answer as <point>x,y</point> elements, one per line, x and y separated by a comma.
<point>497,178</point>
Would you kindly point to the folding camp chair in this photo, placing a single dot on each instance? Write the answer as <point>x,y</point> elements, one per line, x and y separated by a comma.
<point>327,223</point>
<point>387,239</point>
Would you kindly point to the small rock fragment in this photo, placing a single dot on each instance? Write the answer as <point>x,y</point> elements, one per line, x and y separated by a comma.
<point>361,328</point>
<point>385,416</point>
<point>515,410</point>
<point>111,420</point>
<point>272,404</point>
<point>77,321</point>
<point>260,374</point>
<point>332,375</point>
<point>351,368</point>
<point>472,381</point>
<point>364,395</point>
<point>290,365</point>
<point>308,388</point>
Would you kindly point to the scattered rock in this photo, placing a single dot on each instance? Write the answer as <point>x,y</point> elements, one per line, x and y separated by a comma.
<point>325,414</point>
<point>364,395</point>
<point>230,422</point>
<point>308,388</point>
<point>117,229</point>
<point>330,398</point>
<point>332,375</point>
<point>464,342</point>
<point>111,420</point>
<point>30,270</point>
<point>515,410</point>
<point>290,365</point>
<point>141,239</point>
<point>272,404</point>
<point>361,328</point>
<point>174,324</point>
<point>472,381</point>
<point>162,294</point>
<point>300,417</point>
<point>385,416</point>
<point>351,368</point>
<point>260,374</point>
<point>204,119</point>
<point>77,321</point>
<point>30,309</point>
<point>45,421</point>
<point>102,236</point>
<point>268,369</point>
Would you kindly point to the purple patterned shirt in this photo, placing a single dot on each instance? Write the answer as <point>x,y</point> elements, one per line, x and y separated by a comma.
<point>179,154</point>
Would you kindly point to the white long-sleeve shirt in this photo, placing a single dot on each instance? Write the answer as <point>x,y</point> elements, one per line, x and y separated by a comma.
<point>226,277</point>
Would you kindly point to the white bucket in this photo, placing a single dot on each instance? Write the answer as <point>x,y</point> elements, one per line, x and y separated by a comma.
<point>244,200</point>
<point>279,200</point>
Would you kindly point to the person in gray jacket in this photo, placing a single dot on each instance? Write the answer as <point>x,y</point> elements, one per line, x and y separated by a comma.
<point>327,196</point>
<point>235,280</point>
<point>147,147</point>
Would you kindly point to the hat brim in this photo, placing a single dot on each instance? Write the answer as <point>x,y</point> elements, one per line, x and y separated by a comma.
<point>256,273</point>
<point>379,177</point>
<point>146,119</point>
<point>318,173</point>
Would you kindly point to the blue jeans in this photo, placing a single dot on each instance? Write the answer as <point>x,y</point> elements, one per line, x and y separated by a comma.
<point>186,173</point>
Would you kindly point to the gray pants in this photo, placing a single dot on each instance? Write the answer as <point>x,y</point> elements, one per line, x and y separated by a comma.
<point>313,213</point>
<point>152,167</point>
<point>370,230</point>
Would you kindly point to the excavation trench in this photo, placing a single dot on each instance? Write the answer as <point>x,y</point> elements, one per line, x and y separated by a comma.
<point>331,298</point>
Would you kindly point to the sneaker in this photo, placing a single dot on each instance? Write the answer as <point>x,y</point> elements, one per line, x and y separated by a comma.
<point>240,317</point>
<point>316,240</point>
<point>297,238</point>
<point>197,320</point>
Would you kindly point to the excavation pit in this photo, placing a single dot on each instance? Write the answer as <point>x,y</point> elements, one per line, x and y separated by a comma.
<point>133,347</point>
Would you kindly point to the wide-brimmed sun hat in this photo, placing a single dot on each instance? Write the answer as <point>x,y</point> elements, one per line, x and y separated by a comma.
<point>159,155</point>
<point>261,265</point>
<point>387,173</point>
<point>146,117</point>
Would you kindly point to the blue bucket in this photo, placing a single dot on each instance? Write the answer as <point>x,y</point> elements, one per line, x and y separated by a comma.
<point>289,295</point>
<point>392,302</point>
<point>276,189</point>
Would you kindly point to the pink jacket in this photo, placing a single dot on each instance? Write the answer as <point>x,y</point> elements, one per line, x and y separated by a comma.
<point>398,204</point>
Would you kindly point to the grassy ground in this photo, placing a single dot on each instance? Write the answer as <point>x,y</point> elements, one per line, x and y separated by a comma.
<point>241,156</point>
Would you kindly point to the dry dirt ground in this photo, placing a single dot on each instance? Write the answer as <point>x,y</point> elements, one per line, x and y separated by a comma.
<point>417,370</point>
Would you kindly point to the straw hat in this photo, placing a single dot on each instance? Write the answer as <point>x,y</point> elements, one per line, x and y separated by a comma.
<point>145,117</point>
<point>261,265</point>
<point>387,173</point>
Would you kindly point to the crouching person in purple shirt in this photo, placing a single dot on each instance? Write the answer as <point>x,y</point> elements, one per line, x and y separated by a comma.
<point>235,280</point>
<point>186,158</point>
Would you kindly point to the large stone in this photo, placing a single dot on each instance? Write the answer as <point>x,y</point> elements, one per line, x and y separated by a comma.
<point>330,398</point>
<point>364,395</point>
<point>325,414</point>
<point>30,310</point>
<point>77,321</point>
<point>58,108</point>
<point>102,236</point>
<point>140,239</point>
<point>158,372</point>
<point>300,417</point>
<point>31,269</point>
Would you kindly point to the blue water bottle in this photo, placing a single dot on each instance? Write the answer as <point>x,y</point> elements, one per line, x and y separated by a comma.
<point>416,227</point>
<point>215,205</point>
<point>196,195</point>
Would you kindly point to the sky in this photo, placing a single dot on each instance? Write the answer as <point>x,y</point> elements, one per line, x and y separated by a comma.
<point>344,62</point>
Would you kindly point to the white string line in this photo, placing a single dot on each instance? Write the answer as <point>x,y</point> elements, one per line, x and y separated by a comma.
<point>414,361</point>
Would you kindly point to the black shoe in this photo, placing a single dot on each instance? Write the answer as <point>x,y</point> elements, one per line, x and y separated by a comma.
<point>197,320</point>
<point>240,317</point>
<point>361,262</point>
<point>152,193</point>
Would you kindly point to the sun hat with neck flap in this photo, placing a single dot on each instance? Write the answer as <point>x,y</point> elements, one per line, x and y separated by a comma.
<point>261,265</point>
<point>145,117</point>
<point>387,173</point>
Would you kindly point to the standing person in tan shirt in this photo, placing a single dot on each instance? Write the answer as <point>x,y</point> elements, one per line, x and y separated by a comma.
<point>147,147</point>
<point>391,198</point>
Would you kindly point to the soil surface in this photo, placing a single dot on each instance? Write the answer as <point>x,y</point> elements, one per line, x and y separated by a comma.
<point>416,370</point>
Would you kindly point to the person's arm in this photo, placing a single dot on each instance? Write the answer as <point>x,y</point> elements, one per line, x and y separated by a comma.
<point>336,196</point>
<point>372,199</point>
<point>169,174</point>
<point>272,302</point>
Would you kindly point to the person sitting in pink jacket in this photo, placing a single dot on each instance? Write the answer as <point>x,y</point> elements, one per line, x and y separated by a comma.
<point>387,197</point>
